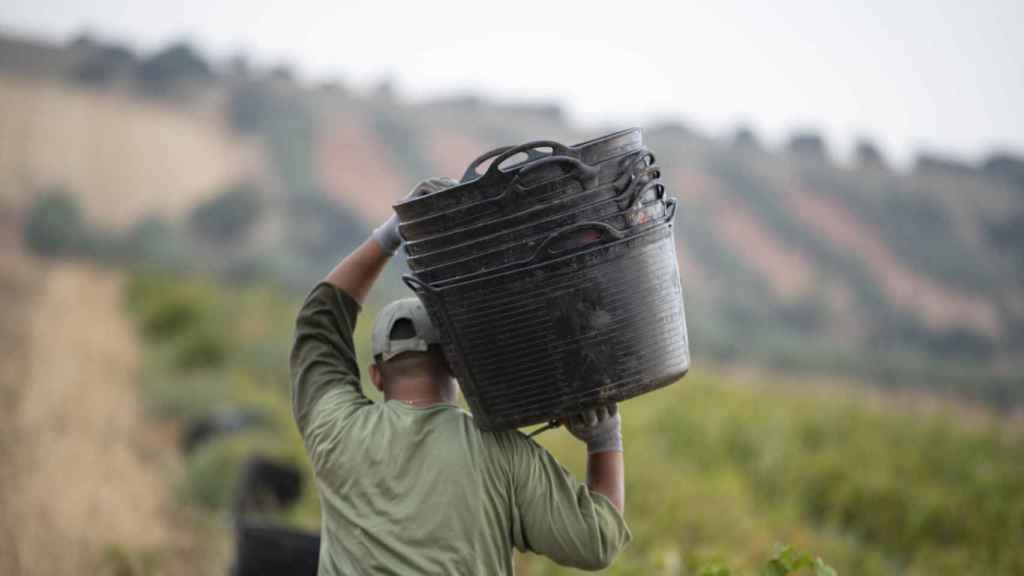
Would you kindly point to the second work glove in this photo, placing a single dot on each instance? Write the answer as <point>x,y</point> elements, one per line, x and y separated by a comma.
<point>387,233</point>
<point>600,429</point>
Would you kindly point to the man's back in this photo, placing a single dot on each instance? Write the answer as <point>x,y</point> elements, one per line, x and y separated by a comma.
<point>421,490</point>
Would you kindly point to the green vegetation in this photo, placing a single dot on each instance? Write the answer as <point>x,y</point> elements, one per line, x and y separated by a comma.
<point>54,225</point>
<point>56,228</point>
<point>171,67</point>
<point>719,471</point>
<point>784,561</point>
<point>205,350</point>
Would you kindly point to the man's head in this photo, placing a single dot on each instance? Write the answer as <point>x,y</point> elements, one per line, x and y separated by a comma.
<point>408,363</point>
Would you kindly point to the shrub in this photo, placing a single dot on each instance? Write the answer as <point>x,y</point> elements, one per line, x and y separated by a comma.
<point>54,226</point>
<point>213,471</point>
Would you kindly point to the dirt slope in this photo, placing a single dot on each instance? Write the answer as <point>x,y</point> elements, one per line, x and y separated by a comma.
<point>123,157</point>
<point>87,480</point>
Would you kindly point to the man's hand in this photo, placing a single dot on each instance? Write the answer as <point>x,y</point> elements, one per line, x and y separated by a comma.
<point>359,270</point>
<point>386,234</point>
<point>600,429</point>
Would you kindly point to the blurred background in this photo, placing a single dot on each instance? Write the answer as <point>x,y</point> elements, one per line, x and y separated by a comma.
<point>175,177</point>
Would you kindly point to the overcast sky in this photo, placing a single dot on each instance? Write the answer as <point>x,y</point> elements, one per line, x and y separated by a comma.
<point>944,75</point>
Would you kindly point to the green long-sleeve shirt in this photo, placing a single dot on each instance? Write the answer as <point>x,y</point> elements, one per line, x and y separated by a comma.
<point>410,490</point>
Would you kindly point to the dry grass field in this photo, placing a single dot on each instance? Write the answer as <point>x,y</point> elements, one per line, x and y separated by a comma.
<point>87,480</point>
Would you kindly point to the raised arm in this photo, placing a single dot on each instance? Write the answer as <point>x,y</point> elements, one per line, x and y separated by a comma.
<point>600,430</point>
<point>324,369</point>
<point>555,515</point>
<point>360,269</point>
<point>356,274</point>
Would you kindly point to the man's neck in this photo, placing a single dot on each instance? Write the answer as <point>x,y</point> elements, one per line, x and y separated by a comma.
<point>417,401</point>
<point>415,393</point>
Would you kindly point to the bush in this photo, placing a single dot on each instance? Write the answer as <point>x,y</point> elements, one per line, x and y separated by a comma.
<point>185,318</point>
<point>204,347</point>
<point>54,226</point>
<point>213,471</point>
<point>166,311</point>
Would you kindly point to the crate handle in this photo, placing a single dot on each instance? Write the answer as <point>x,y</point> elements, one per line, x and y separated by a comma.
<point>471,171</point>
<point>582,173</point>
<point>606,232</point>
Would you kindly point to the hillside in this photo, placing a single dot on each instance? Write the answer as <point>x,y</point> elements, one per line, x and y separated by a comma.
<point>125,157</point>
<point>788,258</point>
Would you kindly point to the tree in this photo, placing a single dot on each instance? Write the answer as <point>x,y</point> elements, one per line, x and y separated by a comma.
<point>239,66</point>
<point>320,229</point>
<point>807,144</point>
<point>229,216</point>
<point>868,156</point>
<point>282,73</point>
<point>1005,166</point>
<point>169,67</point>
<point>103,65</point>
<point>745,138</point>
<point>252,106</point>
<point>938,163</point>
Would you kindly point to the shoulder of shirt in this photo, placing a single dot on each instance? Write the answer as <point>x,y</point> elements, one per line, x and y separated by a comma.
<point>510,439</point>
<point>325,289</point>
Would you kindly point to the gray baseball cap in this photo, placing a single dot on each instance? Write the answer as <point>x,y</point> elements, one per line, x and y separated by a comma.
<point>388,342</point>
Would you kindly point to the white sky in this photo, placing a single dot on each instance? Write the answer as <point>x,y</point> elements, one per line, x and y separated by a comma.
<point>946,75</point>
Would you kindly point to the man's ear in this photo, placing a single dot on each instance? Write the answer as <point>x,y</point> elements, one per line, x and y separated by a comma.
<point>376,376</point>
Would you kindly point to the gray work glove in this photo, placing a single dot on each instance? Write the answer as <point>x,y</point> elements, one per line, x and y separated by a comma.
<point>600,429</point>
<point>387,233</point>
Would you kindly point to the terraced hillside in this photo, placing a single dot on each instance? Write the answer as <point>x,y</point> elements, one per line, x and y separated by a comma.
<point>910,278</point>
<point>789,260</point>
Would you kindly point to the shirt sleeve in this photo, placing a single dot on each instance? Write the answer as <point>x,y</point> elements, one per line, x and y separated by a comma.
<point>559,517</point>
<point>326,388</point>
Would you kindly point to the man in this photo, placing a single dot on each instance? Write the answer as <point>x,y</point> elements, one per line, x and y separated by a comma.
<point>410,485</point>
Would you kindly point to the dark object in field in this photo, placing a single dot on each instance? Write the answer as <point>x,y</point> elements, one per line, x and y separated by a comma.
<point>266,486</point>
<point>553,281</point>
<point>219,422</point>
<point>264,549</point>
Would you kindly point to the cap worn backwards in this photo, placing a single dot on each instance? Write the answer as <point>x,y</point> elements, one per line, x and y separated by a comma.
<point>388,343</point>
